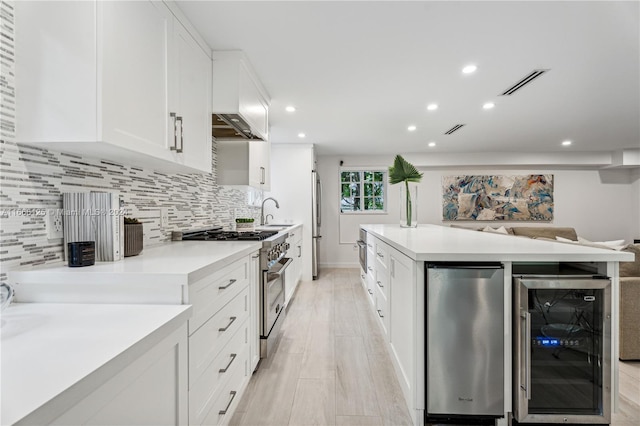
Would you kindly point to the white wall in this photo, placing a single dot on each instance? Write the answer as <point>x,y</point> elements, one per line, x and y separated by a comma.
<point>599,204</point>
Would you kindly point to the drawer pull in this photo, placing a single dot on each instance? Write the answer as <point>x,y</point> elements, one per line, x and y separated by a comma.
<point>224,370</point>
<point>224,287</point>
<point>370,268</point>
<point>381,255</point>
<point>223,412</point>
<point>369,290</point>
<point>380,313</point>
<point>228,325</point>
<point>380,284</point>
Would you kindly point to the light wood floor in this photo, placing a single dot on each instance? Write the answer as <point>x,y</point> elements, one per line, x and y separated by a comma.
<point>331,366</point>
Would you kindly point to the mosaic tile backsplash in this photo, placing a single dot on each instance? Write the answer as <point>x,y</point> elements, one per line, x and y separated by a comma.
<point>32,180</point>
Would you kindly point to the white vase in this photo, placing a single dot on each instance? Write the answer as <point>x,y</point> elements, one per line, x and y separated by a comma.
<point>408,205</point>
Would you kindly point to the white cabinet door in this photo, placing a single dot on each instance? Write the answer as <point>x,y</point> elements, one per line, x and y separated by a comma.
<point>191,100</point>
<point>254,312</point>
<point>259,165</point>
<point>133,73</point>
<point>402,318</point>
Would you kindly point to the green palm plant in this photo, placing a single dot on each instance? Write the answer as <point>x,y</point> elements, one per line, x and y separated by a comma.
<point>403,171</point>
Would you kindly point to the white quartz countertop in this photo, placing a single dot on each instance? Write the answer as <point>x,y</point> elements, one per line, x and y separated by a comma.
<point>61,352</point>
<point>173,263</point>
<point>441,243</point>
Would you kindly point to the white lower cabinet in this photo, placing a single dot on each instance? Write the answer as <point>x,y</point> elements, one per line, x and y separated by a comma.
<point>294,271</point>
<point>224,340</point>
<point>151,390</point>
<point>402,320</point>
<point>390,283</point>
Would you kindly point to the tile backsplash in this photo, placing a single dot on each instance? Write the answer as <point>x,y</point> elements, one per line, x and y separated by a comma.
<point>32,180</point>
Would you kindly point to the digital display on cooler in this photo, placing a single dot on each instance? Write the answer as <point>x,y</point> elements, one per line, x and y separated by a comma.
<point>544,341</point>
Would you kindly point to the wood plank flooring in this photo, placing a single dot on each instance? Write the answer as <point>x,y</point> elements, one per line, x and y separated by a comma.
<point>331,367</point>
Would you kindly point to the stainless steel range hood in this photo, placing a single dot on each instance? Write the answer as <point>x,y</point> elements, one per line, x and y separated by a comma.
<point>231,127</point>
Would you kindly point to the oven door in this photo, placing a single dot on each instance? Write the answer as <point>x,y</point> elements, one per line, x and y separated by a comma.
<point>273,294</point>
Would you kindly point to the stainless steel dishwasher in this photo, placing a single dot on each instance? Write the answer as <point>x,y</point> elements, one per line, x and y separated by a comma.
<point>464,341</point>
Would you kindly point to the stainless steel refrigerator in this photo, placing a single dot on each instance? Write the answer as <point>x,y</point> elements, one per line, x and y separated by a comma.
<point>316,221</point>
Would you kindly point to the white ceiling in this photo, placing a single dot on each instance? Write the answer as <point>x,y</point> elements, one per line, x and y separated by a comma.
<point>360,72</point>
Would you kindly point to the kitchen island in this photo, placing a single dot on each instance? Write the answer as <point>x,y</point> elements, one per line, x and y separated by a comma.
<point>395,280</point>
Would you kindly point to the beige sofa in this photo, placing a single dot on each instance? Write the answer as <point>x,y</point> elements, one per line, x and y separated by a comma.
<point>629,285</point>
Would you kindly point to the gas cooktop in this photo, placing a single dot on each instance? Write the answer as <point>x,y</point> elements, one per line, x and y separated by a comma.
<point>217,234</point>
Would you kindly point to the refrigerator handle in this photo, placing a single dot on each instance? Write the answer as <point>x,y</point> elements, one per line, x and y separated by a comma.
<point>318,200</point>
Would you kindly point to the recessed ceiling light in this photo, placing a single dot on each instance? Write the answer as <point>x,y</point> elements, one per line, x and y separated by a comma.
<point>566,143</point>
<point>411,128</point>
<point>290,108</point>
<point>432,107</point>
<point>432,144</point>
<point>488,105</point>
<point>301,135</point>
<point>469,69</point>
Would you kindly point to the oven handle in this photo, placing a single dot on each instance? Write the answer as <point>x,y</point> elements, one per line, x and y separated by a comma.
<point>276,275</point>
<point>361,244</point>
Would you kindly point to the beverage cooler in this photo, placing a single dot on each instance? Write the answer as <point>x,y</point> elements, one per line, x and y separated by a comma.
<point>562,349</point>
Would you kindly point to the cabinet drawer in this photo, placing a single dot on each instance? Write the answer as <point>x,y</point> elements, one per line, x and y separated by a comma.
<point>213,292</point>
<point>382,255</point>
<point>212,337</point>
<point>382,282</point>
<point>226,401</point>
<point>206,389</point>
<point>382,310</point>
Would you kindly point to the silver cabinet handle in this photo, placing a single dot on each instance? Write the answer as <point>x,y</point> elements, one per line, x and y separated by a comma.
<point>223,412</point>
<point>262,175</point>
<point>380,284</point>
<point>362,276</point>
<point>380,313</point>
<point>380,255</point>
<point>224,370</point>
<point>181,135</point>
<point>299,251</point>
<point>224,287</point>
<point>370,268</point>
<point>370,292</point>
<point>228,325</point>
<point>369,245</point>
<point>175,131</point>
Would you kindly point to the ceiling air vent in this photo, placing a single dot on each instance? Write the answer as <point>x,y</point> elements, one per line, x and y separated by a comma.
<point>519,85</point>
<point>453,129</point>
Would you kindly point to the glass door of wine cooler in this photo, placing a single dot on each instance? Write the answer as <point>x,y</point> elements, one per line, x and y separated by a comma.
<point>562,349</point>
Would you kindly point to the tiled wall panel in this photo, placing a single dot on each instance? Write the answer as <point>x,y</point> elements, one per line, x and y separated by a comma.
<point>33,178</point>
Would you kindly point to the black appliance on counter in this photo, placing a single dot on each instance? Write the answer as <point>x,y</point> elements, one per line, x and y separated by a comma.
<point>273,263</point>
<point>562,349</point>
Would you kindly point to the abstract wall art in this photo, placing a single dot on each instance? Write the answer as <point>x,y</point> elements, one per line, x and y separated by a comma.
<point>497,197</point>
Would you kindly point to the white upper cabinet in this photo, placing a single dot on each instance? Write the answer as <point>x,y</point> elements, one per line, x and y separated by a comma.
<point>101,79</point>
<point>240,103</point>
<point>244,163</point>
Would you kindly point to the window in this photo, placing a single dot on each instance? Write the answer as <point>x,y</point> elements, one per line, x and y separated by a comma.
<point>362,191</point>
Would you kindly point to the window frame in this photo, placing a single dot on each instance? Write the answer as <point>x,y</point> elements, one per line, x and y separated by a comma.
<point>385,179</point>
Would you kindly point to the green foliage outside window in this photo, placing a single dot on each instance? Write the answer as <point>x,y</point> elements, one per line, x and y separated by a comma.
<point>362,191</point>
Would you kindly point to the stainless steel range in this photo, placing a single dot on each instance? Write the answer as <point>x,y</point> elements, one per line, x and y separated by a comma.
<point>273,263</point>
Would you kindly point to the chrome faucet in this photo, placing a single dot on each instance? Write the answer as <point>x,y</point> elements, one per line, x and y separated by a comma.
<point>262,208</point>
<point>266,218</point>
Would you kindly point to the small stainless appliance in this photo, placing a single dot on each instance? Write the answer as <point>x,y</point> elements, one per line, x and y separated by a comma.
<point>362,250</point>
<point>464,342</point>
<point>273,263</point>
<point>562,349</point>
